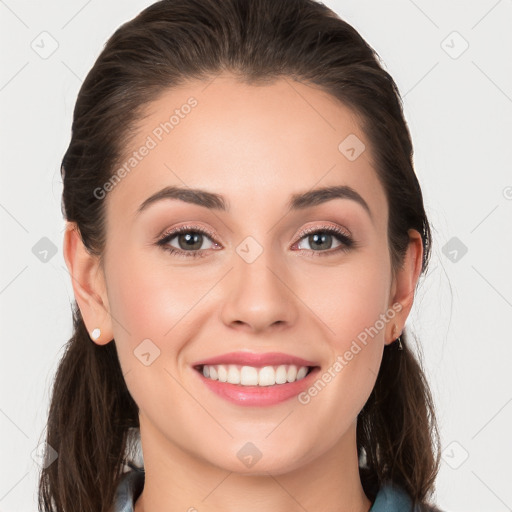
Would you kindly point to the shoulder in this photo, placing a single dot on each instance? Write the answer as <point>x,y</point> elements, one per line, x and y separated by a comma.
<point>128,490</point>
<point>392,498</point>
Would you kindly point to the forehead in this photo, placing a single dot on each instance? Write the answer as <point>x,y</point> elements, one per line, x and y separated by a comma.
<point>248,142</point>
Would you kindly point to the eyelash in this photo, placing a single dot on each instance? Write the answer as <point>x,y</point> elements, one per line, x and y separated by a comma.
<point>346,241</point>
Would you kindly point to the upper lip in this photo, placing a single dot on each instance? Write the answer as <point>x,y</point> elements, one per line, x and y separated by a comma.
<point>255,359</point>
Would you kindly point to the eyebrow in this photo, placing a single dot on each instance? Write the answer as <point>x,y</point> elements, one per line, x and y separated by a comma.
<point>213,201</point>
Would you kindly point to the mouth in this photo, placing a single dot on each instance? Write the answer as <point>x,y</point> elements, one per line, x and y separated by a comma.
<point>253,376</point>
<point>254,386</point>
<point>256,379</point>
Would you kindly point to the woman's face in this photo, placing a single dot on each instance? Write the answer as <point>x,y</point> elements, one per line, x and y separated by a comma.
<point>246,276</point>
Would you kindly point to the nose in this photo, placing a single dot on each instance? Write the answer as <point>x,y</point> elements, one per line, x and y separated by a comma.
<point>259,296</point>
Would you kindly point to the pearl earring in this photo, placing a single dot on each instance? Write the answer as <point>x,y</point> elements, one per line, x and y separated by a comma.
<point>95,334</point>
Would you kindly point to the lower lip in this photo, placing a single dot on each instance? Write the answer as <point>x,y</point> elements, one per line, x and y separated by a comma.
<point>259,395</point>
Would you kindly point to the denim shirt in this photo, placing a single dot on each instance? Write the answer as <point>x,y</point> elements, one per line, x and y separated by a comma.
<point>390,498</point>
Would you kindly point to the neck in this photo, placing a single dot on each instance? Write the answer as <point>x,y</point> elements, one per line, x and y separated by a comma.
<point>176,480</point>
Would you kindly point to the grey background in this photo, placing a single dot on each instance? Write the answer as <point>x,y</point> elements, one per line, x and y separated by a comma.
<point>458,103</point>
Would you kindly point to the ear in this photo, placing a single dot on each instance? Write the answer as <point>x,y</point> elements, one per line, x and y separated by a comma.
<point>89,285</point>
<point>404,285</point>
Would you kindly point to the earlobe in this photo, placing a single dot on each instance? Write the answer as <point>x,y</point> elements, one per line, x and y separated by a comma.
<point>88,283</point>
<point>404,284</point>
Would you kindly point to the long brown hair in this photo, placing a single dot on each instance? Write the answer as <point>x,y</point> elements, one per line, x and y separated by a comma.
<point>169,42</point>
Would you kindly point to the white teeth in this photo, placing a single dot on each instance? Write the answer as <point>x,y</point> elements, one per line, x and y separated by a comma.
<point>252,376</point>
<point>302,373</point>
<point>266,376</point>
<point>291,374</point>
<point>248,376</point>
<point>281,374</point>
<point>223,374</point>
<point>233,375</point>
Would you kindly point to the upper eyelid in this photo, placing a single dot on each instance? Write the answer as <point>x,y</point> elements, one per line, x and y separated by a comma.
<point>184,229</point>
<point>313,229</point>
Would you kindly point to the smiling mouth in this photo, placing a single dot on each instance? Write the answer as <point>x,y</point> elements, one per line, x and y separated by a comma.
<point>254,376</point>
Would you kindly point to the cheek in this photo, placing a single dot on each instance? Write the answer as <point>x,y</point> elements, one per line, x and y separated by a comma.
<point>351,312</point>
<point>148,299</point>
<point>348,298</point>
<point>155,310</point>
<point>149,306</point>
<point>350,306</point>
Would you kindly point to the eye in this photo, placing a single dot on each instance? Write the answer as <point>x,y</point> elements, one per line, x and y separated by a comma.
<point>189,241</point>
<point>322,239</point>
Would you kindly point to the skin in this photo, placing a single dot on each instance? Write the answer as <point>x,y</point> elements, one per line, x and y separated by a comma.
<point>256,145</point>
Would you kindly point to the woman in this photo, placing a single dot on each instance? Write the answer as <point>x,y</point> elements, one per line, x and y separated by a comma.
<point>245,234</point>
